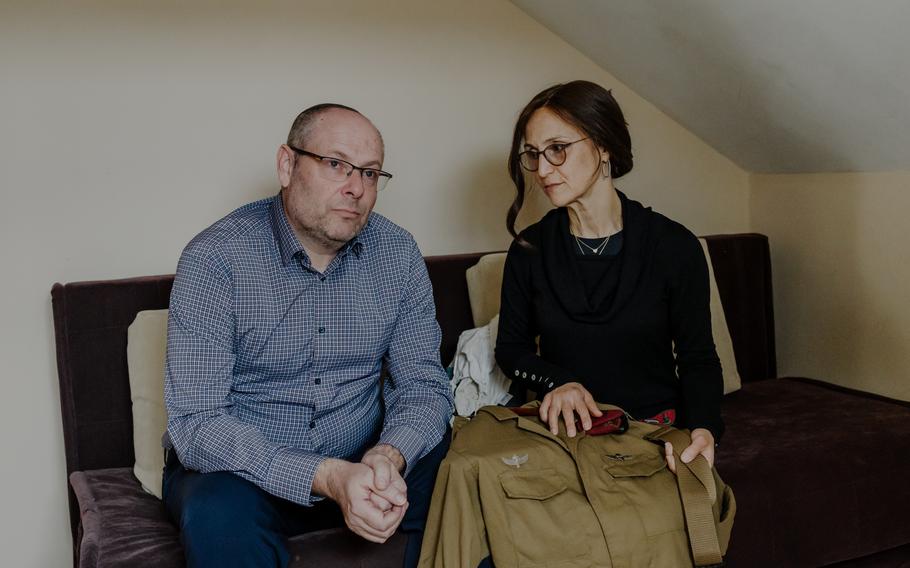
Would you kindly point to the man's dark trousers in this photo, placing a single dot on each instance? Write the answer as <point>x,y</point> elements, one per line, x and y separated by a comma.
<point>227,521</point>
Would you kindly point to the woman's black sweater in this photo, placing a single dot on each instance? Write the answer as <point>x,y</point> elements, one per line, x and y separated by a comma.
<point>616,337</point>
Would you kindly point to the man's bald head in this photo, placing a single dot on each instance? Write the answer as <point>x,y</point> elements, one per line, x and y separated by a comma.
<point>309,118</point>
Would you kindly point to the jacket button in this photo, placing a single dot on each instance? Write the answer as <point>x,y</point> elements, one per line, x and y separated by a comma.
<point>317,380</point>
<point>321,329</point>
<point>313,424</point>
<point>516,372</point>
<point>524,375</point>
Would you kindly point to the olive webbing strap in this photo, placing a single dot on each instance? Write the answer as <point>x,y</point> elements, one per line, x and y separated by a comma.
<point>698,492</point>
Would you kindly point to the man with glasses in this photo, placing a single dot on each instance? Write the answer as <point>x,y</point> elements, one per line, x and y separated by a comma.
<point>282,317</point>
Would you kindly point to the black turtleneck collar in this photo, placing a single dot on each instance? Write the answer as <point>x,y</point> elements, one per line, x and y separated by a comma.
<point>564,275</point>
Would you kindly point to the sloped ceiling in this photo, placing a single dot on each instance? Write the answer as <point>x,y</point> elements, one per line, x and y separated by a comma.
<point>778,86</point>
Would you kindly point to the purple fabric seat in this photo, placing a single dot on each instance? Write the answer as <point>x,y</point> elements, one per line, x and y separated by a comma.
<point>122,525</point>
<point>820,474</point>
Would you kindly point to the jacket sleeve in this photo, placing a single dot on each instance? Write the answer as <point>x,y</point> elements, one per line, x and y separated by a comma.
<point>418,399</point>
<point>455,534</point>
<point>516,341</point>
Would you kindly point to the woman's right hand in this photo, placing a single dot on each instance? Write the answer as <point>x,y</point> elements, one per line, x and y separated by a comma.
<point>566,401</point>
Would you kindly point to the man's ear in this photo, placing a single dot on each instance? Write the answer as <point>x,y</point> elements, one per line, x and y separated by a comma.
<point>285,164</point>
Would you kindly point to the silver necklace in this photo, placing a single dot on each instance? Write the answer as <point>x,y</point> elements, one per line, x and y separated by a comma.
<point>597,251</point>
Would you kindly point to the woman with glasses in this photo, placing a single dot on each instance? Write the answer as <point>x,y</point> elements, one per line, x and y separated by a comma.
<point>609,286</point>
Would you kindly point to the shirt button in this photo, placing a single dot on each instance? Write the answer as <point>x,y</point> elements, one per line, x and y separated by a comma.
<point>313,424</point>
<point>321,329</point>
<point>317,380</point>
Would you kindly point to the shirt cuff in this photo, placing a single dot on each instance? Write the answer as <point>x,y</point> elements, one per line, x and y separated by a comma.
<point>406,440</point>
<point>537,374</point>
<point>291,475</point>
<point>716,427</point>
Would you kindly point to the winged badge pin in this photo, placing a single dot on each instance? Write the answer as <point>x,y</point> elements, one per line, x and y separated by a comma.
<point>515,460</point>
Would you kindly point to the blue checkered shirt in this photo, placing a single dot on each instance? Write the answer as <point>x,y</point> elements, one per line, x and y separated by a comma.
<point>273,366</point>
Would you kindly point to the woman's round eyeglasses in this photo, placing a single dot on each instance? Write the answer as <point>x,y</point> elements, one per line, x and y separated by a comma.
<point>554,153</point>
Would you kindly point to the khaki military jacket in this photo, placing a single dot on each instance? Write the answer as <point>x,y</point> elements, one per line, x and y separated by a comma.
<point>511,489</point>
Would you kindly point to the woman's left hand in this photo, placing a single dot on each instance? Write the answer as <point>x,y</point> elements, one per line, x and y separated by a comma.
<point>566,401</point>
<point>702,443</point>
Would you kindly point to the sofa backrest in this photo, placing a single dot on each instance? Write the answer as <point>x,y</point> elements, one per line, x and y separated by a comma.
<point>91,321</point>
<point>742,270</point>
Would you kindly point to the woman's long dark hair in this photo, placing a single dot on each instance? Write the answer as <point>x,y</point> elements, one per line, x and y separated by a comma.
<point>590,108</point>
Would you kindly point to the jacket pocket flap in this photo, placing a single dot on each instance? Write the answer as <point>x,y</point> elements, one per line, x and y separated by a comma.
<point>537,484</point>
<point>640,465</point>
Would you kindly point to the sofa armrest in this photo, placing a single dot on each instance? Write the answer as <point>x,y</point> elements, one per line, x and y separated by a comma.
<point>121,524</point>
<point>86,544</point>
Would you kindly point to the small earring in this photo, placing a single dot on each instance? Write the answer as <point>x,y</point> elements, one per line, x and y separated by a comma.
<point>606,168</point>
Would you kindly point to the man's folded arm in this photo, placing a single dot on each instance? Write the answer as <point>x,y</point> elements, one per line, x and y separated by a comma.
<point>418,402</point>
<point>198,378</point>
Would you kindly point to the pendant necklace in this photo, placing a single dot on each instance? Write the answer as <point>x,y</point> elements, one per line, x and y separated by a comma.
<point>597,250</point>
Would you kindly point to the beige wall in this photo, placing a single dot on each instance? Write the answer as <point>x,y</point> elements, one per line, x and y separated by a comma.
<point>841,268</point>
<point>127,127</point>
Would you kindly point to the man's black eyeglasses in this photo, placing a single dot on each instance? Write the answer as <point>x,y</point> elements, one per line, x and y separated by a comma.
<point>336,169</point>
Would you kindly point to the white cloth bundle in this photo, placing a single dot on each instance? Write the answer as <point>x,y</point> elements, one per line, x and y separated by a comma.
<point>476,379</point>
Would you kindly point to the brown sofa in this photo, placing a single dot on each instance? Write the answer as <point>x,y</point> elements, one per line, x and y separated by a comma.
<point>819,472</point>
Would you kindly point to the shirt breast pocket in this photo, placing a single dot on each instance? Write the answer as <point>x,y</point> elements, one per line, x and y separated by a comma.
<point>622,466</point>
<point>547,519</point>
<point>367,324</point>
<point>650,486</point>
<point>539,485</point>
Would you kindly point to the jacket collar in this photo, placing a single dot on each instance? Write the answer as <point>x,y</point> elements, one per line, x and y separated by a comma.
<point>531,424</point>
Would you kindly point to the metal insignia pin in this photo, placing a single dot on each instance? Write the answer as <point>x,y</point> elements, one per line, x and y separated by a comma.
<point>515,460</point>
<point>619,457</point>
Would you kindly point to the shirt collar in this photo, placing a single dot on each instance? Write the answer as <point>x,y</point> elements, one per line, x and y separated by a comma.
<point>288,245</point>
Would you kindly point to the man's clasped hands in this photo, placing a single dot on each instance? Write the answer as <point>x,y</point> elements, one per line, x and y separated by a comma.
<point>371,493</point>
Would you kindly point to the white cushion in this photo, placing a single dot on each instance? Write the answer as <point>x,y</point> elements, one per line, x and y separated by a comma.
<point>476,378</point>
<point>484,287</point>
<point>721,332</point>
<point>146,349</point>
